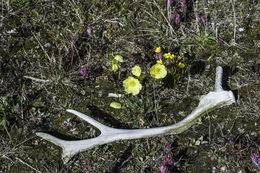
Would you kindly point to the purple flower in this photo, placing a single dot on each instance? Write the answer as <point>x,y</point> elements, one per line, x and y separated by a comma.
<point>159,55</point>
<point>72,40</point>
<point>168,160</point>
<point>231,140</point>
<point>90,30</point>
<point>84,72</point>
<point>167,147</point>
<point>173,13</point>
<point>256,159</point>
<point>182,4</point>
<point>169,5</point>
<point>177,19</point>
<point>163,168</point>
<point>202,19</point>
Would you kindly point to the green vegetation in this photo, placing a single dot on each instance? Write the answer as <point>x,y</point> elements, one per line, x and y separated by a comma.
<point>56,55</point>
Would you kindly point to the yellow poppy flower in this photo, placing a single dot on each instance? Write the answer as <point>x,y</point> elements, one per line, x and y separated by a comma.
<point>136,70</point>
<point>181,65</point>
<point>179,57</point>
<point>158,49</point>
<point>158,71</point>
<point>159,61</point>
<point>172,56</point>
<point>132,85</point>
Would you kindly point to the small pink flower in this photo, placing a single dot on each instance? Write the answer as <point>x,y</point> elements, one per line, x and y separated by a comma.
<point>177,19</point>
<point>202,19</point>
<point>84,72</point>
<point>72,40</point>
<point>172,15</point>
<point>167,147</point>
<point>182,4</point>
<point>163,168</point>
<point>90,30</point>
<point>256,159</point>
<point>169,5</point>
<point>168,160</point>
<point>231,140</point>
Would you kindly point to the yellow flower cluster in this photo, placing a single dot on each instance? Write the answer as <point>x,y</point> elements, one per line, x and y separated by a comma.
<point>168,55</point>
<point>157,71</point>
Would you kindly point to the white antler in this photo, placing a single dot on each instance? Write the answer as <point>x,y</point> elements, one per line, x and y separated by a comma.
<point>209,102</point>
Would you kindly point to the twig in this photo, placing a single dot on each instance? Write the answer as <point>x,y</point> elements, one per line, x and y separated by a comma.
<point>234,21</point>
<point>36,79</point>
<point>188,85</point>
<point>27,165</point>
<point>23,142</point>
<point>41,47</point>
<point>171,28</point>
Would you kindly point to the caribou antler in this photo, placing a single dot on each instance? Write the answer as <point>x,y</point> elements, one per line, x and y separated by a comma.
<point>209,102</point>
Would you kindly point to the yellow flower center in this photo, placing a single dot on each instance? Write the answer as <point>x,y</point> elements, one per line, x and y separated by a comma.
<point>132,83</point>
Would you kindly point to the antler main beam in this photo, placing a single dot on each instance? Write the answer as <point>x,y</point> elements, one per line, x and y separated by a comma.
<point>209,102</point>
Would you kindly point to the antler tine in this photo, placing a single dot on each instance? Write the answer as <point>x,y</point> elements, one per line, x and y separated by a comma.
<point>218,80</point>
<point>103,128</point>
<point>51,138</point>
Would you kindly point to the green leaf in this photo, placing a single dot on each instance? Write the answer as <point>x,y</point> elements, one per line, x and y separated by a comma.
<point>3,122</point>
